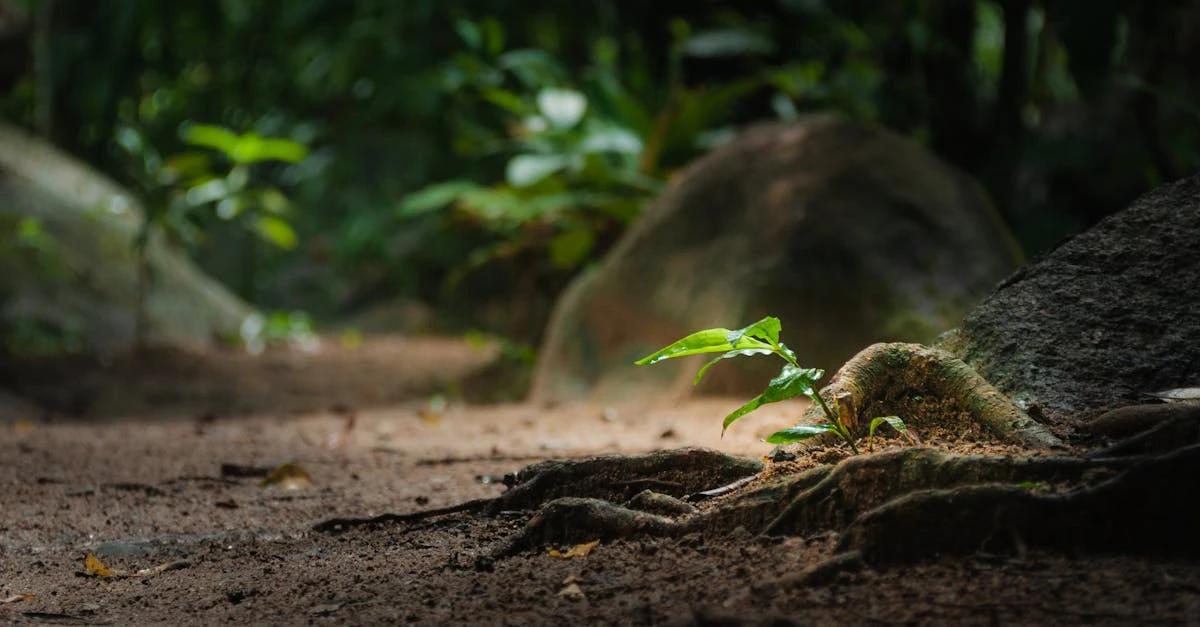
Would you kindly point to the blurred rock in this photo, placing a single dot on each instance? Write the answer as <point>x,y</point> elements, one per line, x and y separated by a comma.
<point>82,278</point>
<point>849,233</point>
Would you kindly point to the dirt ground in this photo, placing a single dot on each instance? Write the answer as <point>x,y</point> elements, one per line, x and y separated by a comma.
<point>160,462</point>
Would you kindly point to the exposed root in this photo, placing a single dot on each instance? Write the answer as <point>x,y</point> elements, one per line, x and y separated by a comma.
<point>884,379</point>
<point>1145,509</point>
<point>617,478</point>
<point>823,498</point>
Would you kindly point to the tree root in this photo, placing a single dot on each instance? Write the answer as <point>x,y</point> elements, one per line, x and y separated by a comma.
<point>617,478</point>
<point>821,498</point>
<point>884,379</point>
<point>1145,509</point>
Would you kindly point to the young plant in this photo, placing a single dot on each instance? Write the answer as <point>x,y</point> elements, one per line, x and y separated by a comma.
<point>762,338</point>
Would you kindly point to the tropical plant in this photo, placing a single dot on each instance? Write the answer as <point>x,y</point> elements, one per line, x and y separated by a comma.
<point>762,338</point>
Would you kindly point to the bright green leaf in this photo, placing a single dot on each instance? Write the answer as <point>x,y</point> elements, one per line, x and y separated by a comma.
<point>277,231</point>
<point>563,107</point>
<point>766,329</point>
<point>790,383</point>
<point>253,148</point>
<point>799,433</point>
<point>211,136</point>
<point>273,201</point>
<point>895,422</point>
<point>525,170</point>
<point>706,341</point>
<point>733,353</point>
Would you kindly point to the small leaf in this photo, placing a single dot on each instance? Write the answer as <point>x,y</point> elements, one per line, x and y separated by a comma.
<point>525,170</point>
<point>505,99</point>
<point>727,43</point>
<point>618,140</point>
<point>790,383</point>
<point>96,568</point>
<point>277,231</point>
<point>569,249</point>
<point>895,422</point>
<point>563,107</point>
<point>799,433</point>
<point>433,197</point>
<point>211,136</point>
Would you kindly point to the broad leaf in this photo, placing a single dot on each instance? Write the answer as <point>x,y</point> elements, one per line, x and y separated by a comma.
<point>790,383</point>
<point>766,329</point>
<point>799,433</point>
<point>733,353</point>
<point>706,341</point>
<point>570,248</point>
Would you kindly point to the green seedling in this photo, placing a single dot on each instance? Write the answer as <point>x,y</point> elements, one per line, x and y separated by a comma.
<point>762,338</point>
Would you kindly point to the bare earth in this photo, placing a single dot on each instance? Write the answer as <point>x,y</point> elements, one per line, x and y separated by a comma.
<point>160,461</point>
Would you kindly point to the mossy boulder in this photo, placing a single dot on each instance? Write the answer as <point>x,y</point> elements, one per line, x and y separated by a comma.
<point>851,234</point>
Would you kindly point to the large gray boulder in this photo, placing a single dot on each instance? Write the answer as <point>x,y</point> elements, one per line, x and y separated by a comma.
<point>82,279</point>
<point>849,233</point>
<point>1108,317</point>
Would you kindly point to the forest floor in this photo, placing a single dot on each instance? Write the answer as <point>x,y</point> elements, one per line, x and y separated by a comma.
<point>159,463</point>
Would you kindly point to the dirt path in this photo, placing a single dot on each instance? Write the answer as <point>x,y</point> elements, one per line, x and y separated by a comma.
<point>179,486</point>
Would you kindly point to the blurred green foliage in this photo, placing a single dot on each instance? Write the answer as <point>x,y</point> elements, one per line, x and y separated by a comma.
<point>477,154</point>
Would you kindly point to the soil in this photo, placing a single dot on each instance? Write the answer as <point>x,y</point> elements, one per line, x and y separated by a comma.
<point>161,460</point>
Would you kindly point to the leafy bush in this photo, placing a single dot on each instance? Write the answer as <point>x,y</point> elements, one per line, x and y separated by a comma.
<point>762,338</point>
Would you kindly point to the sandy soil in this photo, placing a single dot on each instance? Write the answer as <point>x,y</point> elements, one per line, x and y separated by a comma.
<point>162,462</point>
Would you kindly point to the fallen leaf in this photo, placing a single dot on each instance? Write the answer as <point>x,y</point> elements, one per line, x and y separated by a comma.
<point>579,550</point>
<point>288,476</point>
<point>22,426</point>
<point>96,568</point>
<point>19,597</point>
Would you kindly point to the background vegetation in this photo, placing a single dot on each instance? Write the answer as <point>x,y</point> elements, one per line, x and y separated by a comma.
<point>475,155</point>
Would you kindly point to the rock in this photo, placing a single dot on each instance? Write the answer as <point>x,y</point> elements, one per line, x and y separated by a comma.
<point>1105,319</point>
<point>849,233</point>
<point>83,277</point>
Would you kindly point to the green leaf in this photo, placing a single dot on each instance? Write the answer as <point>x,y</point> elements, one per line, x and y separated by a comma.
<point>525,170</point>
<point>766,329</point>
<point>733,353</point>
<point>617,140</point>
<point>799,433</point>
<point>211,136</point>
<point>505,99</point>
<point>277,231</point>
<point>728,43</point>
<point>568,249</point>
<point>563,107</point>
<point>790,383</point>
<point>894,421</point>
<point>706,341</point>
<point>433,197</point>
<point>253,148</point>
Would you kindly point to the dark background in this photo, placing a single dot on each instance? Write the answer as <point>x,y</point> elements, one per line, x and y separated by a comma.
<point>1064,110</point>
